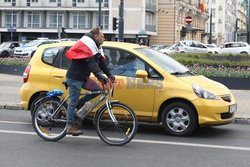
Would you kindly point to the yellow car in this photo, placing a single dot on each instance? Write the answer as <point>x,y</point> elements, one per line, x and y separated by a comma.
<point>158,88</point>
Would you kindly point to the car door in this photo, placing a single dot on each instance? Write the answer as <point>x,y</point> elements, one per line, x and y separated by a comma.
<point>130,89</point>
<point>190,47</point>
<point>201,48</point>
<point>60,65</point>
<point>226,48</point>
<point>12,48</point>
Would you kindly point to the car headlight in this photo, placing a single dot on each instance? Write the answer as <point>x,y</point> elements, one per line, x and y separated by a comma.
<point>200,92</point>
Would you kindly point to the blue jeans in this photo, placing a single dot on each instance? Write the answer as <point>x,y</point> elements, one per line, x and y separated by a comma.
<point>75,87</point>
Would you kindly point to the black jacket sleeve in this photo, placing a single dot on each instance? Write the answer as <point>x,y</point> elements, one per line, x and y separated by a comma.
<point>94,68</point>
<point>103,66</point>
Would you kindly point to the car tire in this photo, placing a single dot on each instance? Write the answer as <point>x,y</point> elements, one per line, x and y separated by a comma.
<point>5,54</point>
<point>216,52</point>
<point>179,119</point>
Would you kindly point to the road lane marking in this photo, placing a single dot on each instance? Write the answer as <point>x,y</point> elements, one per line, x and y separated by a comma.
<point>14,122</point>
<point>146,141</point>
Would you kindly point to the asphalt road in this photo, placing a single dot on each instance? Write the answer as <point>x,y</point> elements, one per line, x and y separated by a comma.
<point>222,146</point>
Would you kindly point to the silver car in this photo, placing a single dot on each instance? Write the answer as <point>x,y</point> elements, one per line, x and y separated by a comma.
<point>189,46</point>
<point>7,48</point>
<point>234,48</point>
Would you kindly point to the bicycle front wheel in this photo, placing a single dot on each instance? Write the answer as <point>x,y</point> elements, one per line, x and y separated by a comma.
<point>119,133</point>
<point>48,128</point>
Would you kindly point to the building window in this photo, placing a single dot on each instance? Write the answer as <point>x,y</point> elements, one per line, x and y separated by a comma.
<point>104,19</point>
<point>29,2</point>
<point>59,3</point>
<point>56,19</point>
<point>11,19</point>
<point>74,3</point>
<point>33,19</point>
<point>79,20</point>
<point>7,0</point>
<point>106,2</point>
<point>13,3</point>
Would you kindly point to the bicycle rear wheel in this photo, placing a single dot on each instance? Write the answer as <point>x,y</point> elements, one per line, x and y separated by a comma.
<point>122,132</point>
<point>45,127</point>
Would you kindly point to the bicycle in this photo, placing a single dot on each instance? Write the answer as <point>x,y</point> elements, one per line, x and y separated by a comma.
<point>116,123</point>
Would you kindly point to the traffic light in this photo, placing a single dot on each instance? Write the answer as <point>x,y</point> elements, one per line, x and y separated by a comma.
<point>115,23</point>
<point>184,31</point>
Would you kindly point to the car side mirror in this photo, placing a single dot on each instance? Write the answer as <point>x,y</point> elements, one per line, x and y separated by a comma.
<point>141,74</point>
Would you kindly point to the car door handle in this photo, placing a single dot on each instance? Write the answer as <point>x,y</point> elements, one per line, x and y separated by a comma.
<point>58,76</point>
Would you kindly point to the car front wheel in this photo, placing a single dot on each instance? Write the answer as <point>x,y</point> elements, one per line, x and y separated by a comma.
<point>179,119</point>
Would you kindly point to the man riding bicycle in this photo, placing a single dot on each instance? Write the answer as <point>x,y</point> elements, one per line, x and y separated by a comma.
<point>86,56</point>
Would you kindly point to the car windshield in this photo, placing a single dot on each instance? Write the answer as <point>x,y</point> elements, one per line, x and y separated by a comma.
<point>33,43</point>
<point>4,45</point>
<point>164,61</point>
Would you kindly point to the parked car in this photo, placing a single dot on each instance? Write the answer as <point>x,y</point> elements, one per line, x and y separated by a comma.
<point>7,48</point>
<point>234,48</point>
<point>159,47</point>
<point>169,50</point>
<point>158,88</point>
<point>211,45</point>
<point>212,48</point>
<point>30,48</point>
<point>188,46</point>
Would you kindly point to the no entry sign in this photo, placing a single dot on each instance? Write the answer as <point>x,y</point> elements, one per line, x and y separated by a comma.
<point>188,19</point>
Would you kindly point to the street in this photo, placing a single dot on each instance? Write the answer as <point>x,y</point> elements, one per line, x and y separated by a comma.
<point>224,146</point>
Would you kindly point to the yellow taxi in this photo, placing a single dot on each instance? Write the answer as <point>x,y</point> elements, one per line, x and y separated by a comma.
<point>158,88</point>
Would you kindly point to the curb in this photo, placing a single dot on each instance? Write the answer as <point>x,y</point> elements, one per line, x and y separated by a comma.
<point>16,106</point>
<point>11,106</point>
<point>244,121</point>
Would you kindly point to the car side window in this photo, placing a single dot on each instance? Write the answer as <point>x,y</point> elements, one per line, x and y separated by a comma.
<point>199,45</point>
<point>126,64</point>
<point>62,61</point>
<point>49,55</point>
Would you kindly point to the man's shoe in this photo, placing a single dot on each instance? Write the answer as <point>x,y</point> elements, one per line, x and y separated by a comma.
<point>73,130</point>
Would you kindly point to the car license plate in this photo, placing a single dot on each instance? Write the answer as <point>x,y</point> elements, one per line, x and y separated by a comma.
<point>232,108</point>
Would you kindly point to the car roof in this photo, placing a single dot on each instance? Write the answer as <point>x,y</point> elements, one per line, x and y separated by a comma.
<point>235,42</point>
<point>122,45</point>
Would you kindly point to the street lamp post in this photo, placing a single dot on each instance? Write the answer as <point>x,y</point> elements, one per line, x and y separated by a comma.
<point>100,14</point>
<point>210,30</point>
<point>248,21</point>
<point>121,22</point>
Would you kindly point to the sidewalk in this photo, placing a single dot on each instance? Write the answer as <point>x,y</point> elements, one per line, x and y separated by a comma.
<point>10,86</point>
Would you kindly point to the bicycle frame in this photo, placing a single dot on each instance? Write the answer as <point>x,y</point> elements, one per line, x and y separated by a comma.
<point>105,94</point>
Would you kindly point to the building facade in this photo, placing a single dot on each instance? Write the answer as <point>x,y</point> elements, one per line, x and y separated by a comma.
<point>171,19</point>
<point>241,20</point>
<point>30,19</point>
<point>225,20</point>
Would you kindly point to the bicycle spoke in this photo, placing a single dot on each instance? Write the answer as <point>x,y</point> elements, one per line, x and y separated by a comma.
<point>45,127</point>
<point>122,131</point>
